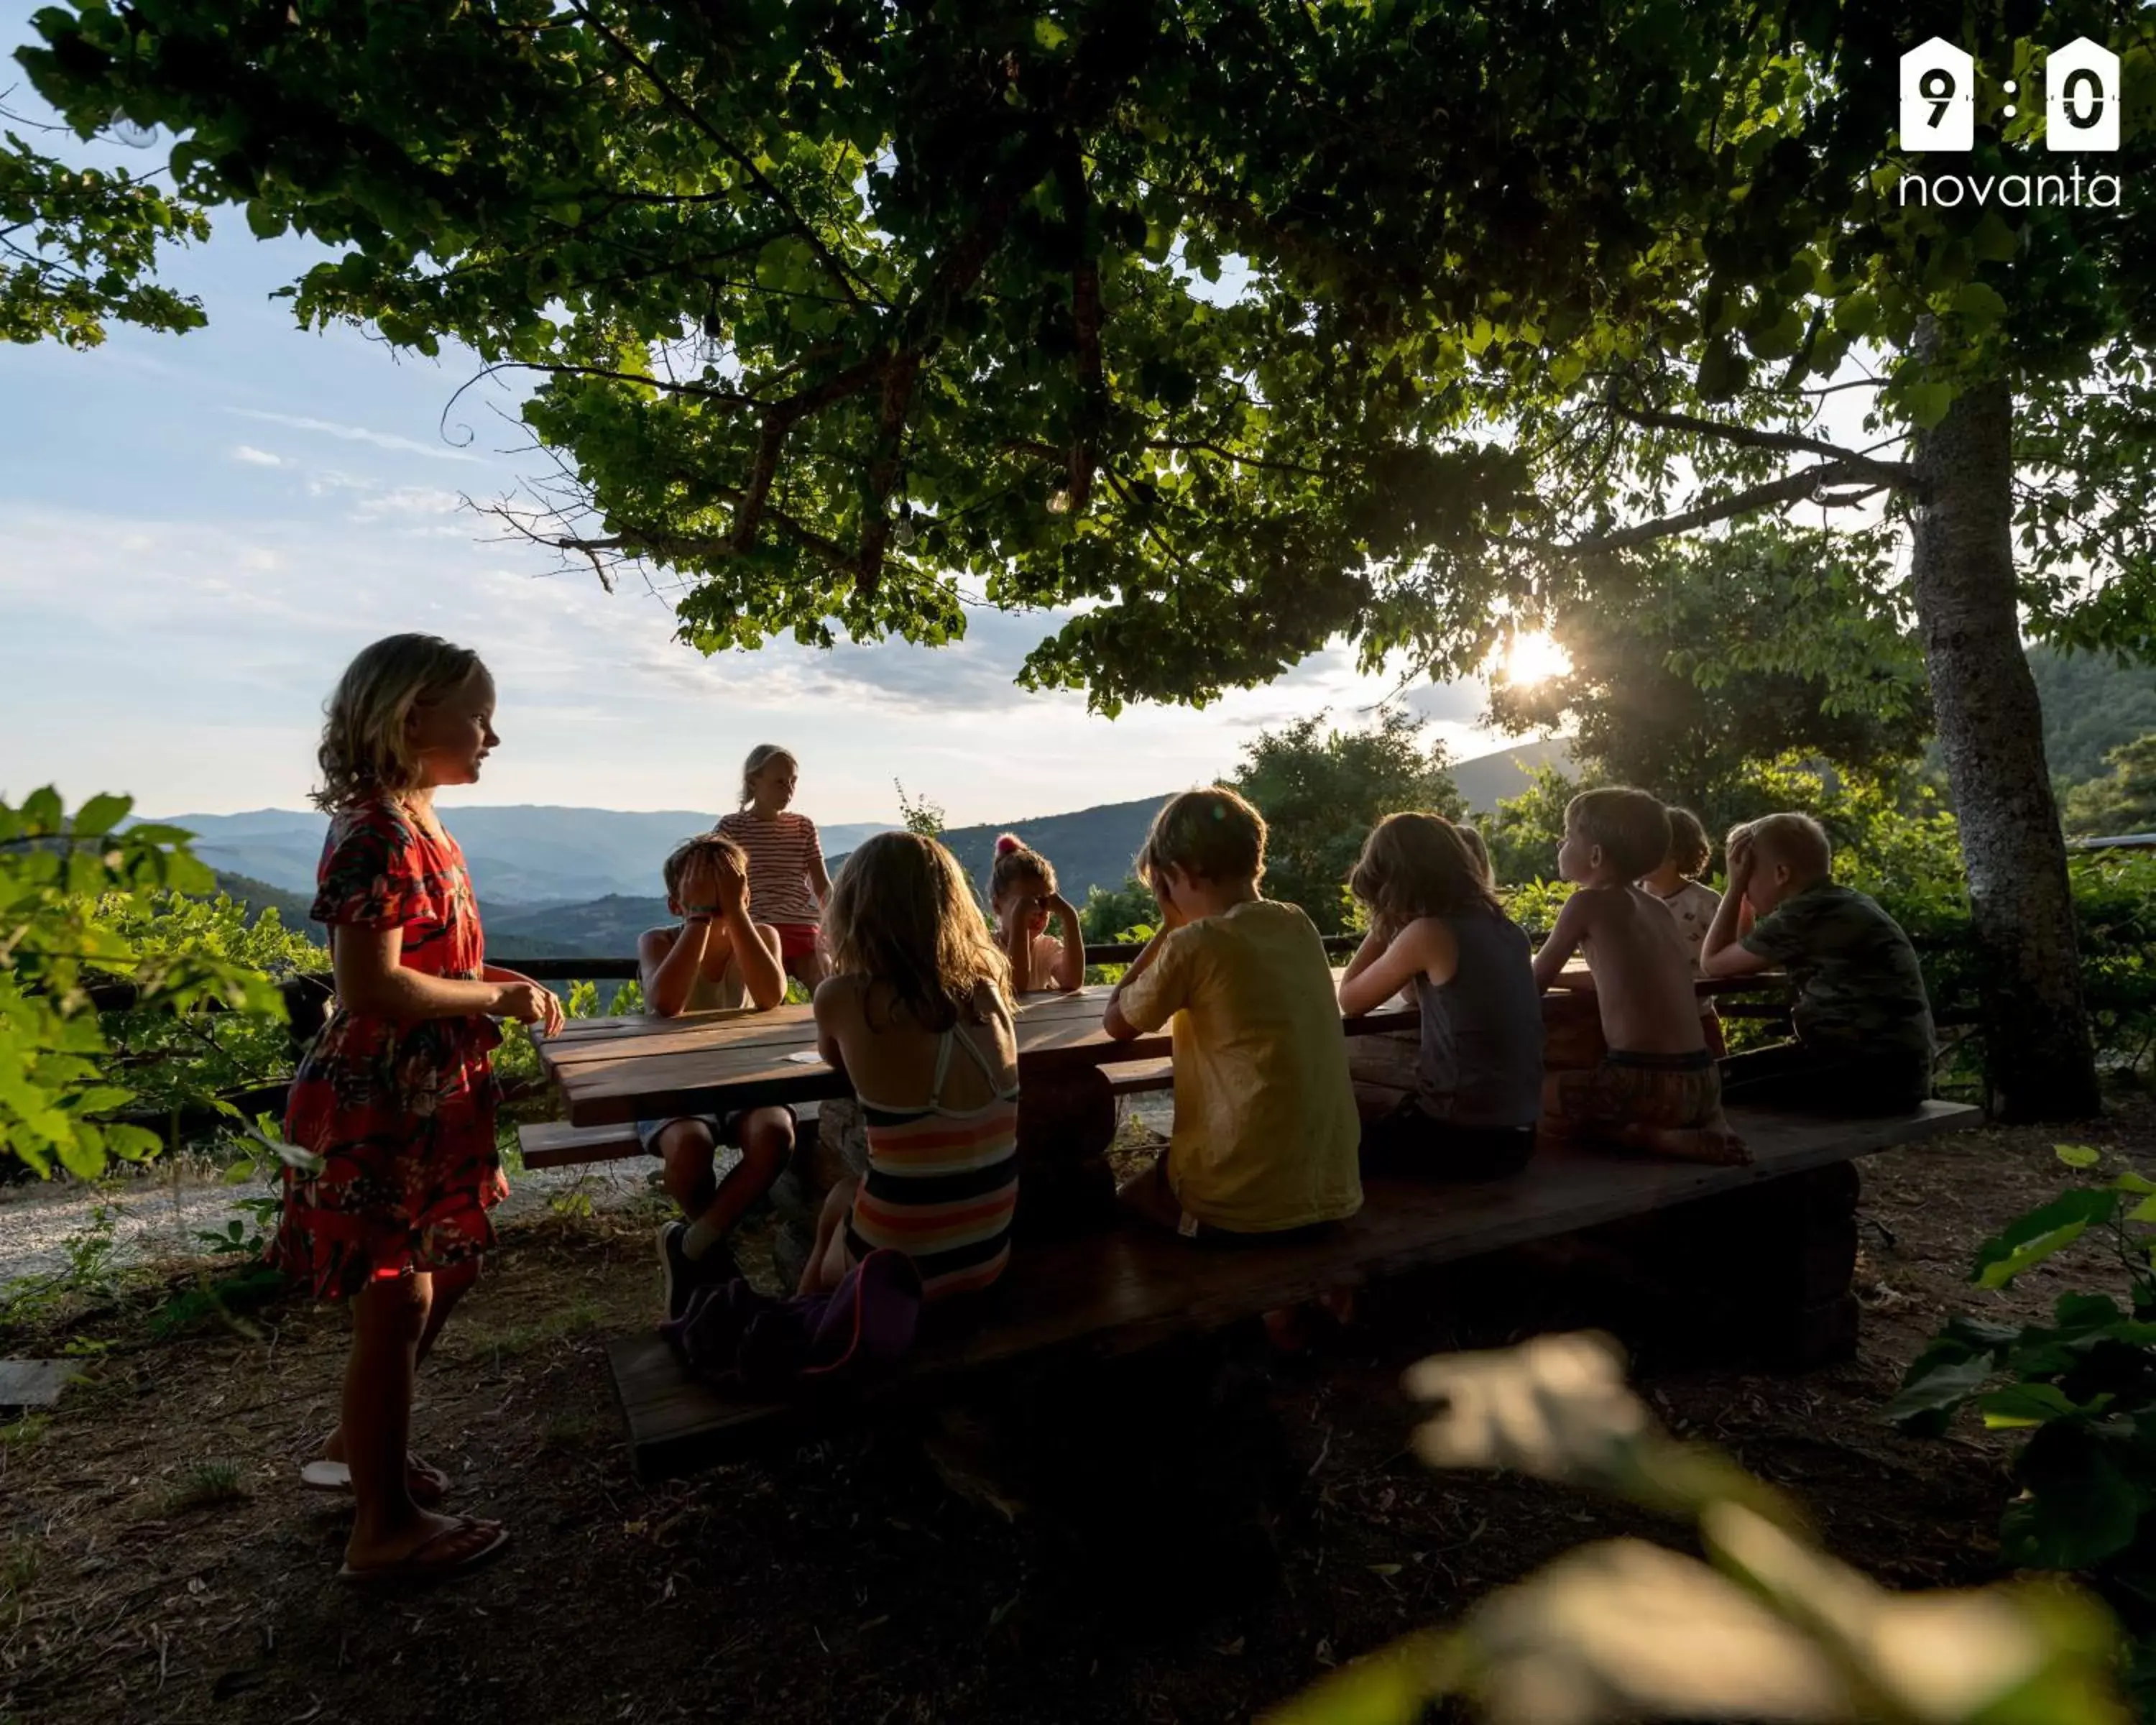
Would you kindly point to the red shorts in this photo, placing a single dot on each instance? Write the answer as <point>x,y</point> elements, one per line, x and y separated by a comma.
<point>796,940</point>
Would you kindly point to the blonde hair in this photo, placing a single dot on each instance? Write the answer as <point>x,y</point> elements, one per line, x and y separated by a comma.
<point>363,752</point>
<point>677,864</point>
<point>1417,865</point>
<point>759,757</point>
<point>1794,839</point>
<point>1015,860</point>
<point>902,913</point>
<point>1210,834</point>
<point>1688,847</point>
<point>1631,827</point>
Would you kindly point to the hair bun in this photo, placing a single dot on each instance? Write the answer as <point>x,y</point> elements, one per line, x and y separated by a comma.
<point>1009,843</point>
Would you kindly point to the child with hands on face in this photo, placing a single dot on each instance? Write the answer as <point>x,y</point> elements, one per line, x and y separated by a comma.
<point>1656,1088</point>
<point>1265,1132</point>
<point>1863,1017</point>
<point>716,959</point>
<point>1022,898</point>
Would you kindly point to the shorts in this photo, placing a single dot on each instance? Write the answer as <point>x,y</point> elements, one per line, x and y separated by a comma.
<point>1669,1104</point>
<point>796,940</point>
<point>1152,1197</point>
<point>724,1128</point>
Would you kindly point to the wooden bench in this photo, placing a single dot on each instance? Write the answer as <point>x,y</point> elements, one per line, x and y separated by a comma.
<point>556,1143</point>
<point>1117,1292</point>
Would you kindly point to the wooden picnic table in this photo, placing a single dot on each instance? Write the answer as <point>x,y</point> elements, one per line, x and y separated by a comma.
<point>614,1070</point>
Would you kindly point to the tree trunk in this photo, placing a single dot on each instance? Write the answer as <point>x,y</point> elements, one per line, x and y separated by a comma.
<point>1990,726</point>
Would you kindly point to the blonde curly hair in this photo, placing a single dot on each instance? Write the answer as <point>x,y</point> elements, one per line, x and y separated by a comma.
<point>902,913</point>
<point>363,750</point>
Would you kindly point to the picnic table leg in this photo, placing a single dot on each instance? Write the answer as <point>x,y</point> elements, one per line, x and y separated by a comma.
<point>1771,1265</point>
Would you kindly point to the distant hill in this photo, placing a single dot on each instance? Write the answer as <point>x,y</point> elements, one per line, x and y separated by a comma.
<point>604,928</point>
<point>1092,847</point>
<point>520,855</point>
<point>1488,779</point>
<point>2091,707</point>
<point>292,908</point>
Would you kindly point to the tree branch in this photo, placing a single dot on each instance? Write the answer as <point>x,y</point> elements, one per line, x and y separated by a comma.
<point>1891,473</point>
<point>1791,488</point>
<point>831,262</point>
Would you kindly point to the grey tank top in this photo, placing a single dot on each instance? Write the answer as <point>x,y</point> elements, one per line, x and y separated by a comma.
<point>1481,1061</point>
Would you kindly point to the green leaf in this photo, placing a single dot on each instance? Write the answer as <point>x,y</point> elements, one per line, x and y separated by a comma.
<point>100,815</point>
<point>2029,1239</point>
<point>2017,1405</point>
<point>2084,1505</point>
<point>1048,34</point>
<point>1927,402</point>
<point>2077,1155</point>
<point>1979,304</point>
<point>1942,1389</point>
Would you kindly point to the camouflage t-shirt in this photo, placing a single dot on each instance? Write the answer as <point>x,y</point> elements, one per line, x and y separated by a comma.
<point>1860,989</point>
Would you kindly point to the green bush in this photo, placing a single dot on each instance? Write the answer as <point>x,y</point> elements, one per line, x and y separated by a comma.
<point>69,889</point>
<point>2083,1388</point>
<point>183,1059</point>
<point>1761,1624</point>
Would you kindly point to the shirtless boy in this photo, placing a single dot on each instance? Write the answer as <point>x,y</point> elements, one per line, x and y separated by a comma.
<point>1657,1088</point>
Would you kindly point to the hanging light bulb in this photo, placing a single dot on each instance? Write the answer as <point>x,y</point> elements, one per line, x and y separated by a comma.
<point>1059,503</point>
<point>905,532</point>
<point>132,134</point>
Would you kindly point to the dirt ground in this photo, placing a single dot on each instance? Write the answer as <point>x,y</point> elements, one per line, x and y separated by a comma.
<point>159,1561</point>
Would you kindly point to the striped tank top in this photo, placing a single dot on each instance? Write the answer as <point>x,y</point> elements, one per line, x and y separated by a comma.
<point>943,1182</point>
<point>780,850</point>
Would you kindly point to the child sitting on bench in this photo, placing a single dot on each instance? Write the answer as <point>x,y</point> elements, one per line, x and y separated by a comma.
<point>917,1014</point>
<point>1863,1019</point>
<point>1677,884</point>
<point>1265,1129</point>
<point>1022,897</point>
<point>1656,1088</point>
<point>714,959</point>
<point>1436,929</point>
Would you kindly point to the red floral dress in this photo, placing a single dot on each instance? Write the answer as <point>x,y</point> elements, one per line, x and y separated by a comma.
<point>402,1114</point>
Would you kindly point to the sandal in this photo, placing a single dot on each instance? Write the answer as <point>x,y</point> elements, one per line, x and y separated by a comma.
<point>427,1485</point>
<point>419,1569</point>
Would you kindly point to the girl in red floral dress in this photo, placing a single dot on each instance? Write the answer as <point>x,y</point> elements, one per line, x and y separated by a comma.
<point>394,1101</point>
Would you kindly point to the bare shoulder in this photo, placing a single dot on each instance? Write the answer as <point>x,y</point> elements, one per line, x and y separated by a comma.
<point>841,999</point>
<point>771,938</point>
<point>655,943</point>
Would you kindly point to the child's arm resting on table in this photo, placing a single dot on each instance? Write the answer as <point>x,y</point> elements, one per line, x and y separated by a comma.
<point>1573,924</point>
<point>372,981</point>
<point>1424,947</point>
<point>1143,1002</point>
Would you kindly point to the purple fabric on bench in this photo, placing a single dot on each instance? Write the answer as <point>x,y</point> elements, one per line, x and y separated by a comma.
<point>740,1341</point>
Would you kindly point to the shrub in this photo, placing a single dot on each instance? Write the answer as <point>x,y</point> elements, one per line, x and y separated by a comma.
<point>2082,1387</point>
<point>66,887</point>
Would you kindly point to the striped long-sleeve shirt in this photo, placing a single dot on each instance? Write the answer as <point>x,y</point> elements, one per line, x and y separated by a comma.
<point>781,849</point>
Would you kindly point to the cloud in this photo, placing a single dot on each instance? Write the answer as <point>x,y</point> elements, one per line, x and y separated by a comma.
<point>253,457</point>
<point>359,435</point>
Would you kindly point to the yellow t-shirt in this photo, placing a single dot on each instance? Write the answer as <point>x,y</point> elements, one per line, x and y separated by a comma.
<point>1265,1129</point>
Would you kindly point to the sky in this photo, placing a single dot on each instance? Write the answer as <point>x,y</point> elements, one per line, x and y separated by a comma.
<point>197,532</point>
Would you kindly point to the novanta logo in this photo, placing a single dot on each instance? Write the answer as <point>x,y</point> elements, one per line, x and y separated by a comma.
<point>2081,103</point>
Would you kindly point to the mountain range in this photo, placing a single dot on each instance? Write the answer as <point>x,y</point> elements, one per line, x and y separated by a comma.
<point>581,882</point>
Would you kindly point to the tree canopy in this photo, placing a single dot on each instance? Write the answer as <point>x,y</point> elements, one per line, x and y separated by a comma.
<point>847,313</point>
<point>1321,790</point>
